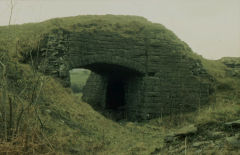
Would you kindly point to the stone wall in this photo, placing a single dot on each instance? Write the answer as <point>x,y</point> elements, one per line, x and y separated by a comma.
<point>159,75</point>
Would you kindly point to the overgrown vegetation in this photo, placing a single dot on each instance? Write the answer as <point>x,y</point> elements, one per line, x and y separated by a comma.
<point>21,95</point>
<point>39,116</point>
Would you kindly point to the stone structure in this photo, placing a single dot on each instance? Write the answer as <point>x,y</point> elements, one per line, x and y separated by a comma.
<point>142,72</point>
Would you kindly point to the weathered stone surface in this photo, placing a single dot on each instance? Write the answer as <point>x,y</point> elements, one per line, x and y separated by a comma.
<point>187,130</point>
<point>198,144</point>
<point>215,134</point>
<point>182,132</point>
<point>235,124</point>
<point>150,69</point>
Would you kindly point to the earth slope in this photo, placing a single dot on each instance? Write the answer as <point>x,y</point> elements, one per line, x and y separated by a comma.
<point>39,115</point>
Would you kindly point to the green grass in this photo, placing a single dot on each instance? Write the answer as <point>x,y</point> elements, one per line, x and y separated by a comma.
<point>78,127</point>
<point>28,35</point>
<point>70,126</point>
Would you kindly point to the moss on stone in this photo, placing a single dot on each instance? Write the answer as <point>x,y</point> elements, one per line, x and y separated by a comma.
<point>160,73</point>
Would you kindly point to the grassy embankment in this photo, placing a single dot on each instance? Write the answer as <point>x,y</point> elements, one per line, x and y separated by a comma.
<point>38,115</point>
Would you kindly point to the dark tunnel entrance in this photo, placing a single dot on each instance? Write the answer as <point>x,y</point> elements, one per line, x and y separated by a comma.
<point>112,89</point>
<point>115,94</point>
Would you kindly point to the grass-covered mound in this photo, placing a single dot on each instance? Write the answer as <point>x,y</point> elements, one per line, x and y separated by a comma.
<point>132,44</point>
<point>21,40</point>
<point>38,115</point>
<point>45,117</point>
<point>28,36</point>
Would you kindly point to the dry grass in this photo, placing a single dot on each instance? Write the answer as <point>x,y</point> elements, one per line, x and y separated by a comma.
<point>57,123</point>
<point>29,140</point>
<point>70,126</point>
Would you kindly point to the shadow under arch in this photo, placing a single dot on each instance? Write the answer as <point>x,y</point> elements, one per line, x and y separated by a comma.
<point>98,62</point>
<point>114,84</point>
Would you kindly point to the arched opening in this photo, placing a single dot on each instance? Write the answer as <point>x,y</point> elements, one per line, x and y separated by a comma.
<point>78,78</point>
<point>111,89</point>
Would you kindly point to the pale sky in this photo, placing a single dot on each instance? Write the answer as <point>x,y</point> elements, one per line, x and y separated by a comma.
<point>210,27</point>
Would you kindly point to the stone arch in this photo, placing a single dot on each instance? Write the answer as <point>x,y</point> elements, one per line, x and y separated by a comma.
<point>112,84</point>
<point>159,74</point>
<point>90,61</point>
